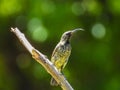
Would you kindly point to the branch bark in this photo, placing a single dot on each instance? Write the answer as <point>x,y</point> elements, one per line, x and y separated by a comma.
<point>43,60</point>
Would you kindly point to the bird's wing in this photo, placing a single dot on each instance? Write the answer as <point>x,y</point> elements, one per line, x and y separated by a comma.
<point>55,53</point>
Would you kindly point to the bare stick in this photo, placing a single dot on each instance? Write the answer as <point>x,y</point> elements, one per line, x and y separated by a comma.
<point>43,60</point>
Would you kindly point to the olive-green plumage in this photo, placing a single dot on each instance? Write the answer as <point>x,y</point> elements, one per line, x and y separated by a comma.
<point>61,53</point>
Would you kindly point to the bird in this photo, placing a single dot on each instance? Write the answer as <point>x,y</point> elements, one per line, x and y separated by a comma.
<point>61,53</point>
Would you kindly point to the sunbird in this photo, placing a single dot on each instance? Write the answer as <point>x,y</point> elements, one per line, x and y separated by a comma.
<point>62,52</point>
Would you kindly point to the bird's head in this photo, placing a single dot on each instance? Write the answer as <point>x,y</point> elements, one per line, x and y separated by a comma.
<point>67,35</point>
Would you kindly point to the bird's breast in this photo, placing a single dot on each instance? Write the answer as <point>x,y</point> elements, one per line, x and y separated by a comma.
<point>61,55</point>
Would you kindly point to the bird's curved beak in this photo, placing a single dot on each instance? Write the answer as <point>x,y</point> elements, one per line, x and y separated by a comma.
<point>77,29</point>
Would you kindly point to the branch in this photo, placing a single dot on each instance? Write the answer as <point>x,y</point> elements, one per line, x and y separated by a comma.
<point>43,60</point>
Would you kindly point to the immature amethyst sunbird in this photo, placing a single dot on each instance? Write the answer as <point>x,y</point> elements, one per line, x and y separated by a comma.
<point>62,52</point>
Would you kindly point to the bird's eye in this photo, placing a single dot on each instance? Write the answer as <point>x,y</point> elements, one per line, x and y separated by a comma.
<point>68,34</point>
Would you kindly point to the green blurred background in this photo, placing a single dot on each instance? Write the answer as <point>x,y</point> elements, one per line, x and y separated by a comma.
<point>95,60</point>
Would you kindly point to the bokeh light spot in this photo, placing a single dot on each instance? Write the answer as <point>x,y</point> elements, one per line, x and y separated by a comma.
<point>77,8</point>
<point>114,6</point>
<point>47,7</point>
<point>93,7</point>
<point>9,8</point>
<point>40,34</point>
<point>37,30</point>
<point>98,31</point>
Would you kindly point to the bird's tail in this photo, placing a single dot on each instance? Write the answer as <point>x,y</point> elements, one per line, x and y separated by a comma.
<point>53,82</point>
